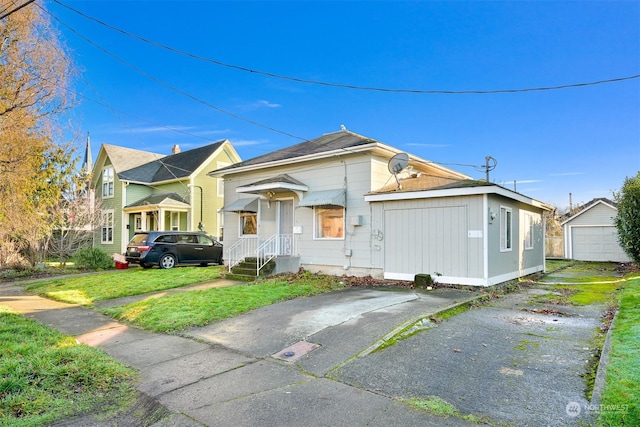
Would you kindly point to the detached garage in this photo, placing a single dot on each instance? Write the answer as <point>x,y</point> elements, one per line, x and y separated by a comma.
<point>591,235</point>
<point>463,232</point>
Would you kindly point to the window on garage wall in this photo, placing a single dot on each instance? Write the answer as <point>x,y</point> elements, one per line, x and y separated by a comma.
<point>505,228</point>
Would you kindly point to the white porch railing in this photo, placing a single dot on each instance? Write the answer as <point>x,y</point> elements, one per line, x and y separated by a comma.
<point>264,251</point>
<point>240,250</point>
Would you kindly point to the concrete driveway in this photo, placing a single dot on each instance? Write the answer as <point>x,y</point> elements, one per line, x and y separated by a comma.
<point>311,361</point>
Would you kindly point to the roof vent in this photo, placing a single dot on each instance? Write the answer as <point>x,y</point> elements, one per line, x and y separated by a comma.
<point>175,149</point>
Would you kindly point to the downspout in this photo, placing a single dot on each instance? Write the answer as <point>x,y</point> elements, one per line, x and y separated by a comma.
<point>346,221</point>
<point>200,226</point>
<point>485,239</point>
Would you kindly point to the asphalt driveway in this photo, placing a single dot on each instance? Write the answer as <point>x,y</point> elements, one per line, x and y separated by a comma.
<point>507,362</point>
<point>318,361</point>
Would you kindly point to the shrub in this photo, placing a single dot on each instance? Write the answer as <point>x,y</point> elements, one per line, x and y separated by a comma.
<point>627,219</point>
<point>92,259</point>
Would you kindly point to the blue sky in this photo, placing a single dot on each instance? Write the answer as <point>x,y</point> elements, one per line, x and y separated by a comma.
<point>580,140</point>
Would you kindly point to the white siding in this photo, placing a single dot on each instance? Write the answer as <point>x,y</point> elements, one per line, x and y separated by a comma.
<point>352,172</point>
<point>596,244</point>
<point>592,236</point>
<point>442,237</point>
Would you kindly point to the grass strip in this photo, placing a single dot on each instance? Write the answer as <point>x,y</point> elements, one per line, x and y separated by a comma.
<point>88,289</point>
<point>436,406</point>
<point>47,376</point>
<point>177,312</point>
<point>621,394</point>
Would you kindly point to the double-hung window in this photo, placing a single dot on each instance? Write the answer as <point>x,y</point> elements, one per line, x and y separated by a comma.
<point>528,230</point>
<point>505,229</point>
<point>107,226</point>
<point>107,182</point>
<point>329,222</point>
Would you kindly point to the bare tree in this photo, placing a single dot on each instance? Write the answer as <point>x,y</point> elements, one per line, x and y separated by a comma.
<point>35,72</point>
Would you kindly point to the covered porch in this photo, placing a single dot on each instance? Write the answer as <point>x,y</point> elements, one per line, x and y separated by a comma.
<point>166,211</point>
<point>266,215</point>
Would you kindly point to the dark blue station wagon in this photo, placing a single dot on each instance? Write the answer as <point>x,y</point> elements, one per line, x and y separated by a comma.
<point>170,248</point>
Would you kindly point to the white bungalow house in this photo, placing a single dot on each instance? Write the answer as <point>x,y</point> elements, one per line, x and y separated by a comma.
<point>591,235</point>
<point>332,205</point>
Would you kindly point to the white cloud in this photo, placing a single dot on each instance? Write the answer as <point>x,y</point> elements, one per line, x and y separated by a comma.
<point>263,103</point>
<point>414,144</point>
<point>246,142</point>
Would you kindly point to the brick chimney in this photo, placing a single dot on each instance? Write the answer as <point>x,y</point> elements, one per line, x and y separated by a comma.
<point>175,149</point>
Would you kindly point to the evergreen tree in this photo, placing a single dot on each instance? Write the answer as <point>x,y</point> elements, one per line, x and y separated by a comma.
<point>628,218</point>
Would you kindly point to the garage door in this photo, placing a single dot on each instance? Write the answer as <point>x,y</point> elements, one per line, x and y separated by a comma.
<point>427,240</point>
<point>596,244</point>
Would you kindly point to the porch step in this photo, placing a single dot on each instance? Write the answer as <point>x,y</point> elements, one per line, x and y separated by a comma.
<point>246,270</point>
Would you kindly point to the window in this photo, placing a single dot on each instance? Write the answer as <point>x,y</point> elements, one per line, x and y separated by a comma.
<point>138,222</point>
<point>220,226</point>
<point>248,224</point>
<point>329,222</point>
<point>528,229</point>
<point>107,227</point>
<point>175,221</point>
<point>505,229</point>
<point>107,182</point>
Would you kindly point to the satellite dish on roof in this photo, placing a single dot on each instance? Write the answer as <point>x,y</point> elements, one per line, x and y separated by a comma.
<point>397,164</point>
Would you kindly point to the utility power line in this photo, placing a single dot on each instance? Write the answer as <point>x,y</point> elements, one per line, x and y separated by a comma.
<point>342,85</point>
<point>14,10</point>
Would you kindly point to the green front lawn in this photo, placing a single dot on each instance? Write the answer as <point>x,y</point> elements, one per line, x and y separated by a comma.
<point>177,312</point>
<point>46,376</point>
<point>621,396</point>
<point>87,289</point>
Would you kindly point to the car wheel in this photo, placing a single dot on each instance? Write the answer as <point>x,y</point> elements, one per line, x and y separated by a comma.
<point>167,261</point>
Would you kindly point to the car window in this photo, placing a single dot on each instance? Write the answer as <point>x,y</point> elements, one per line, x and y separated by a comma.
<point>205,240</point>
<point>187,238</point>
<point>166,238</point>
<point>139,240</point>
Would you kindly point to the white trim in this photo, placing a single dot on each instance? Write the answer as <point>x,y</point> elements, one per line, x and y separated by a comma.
<point>113,182</point>
<point>103,225</point>
<point>469,281</point>
<point>453,192</point>
<point>374,146</point>
<point>315,224</point>
<point>528,230</point>
<point>587,209</point>
<point>508,240</point>
<point>485,241</point>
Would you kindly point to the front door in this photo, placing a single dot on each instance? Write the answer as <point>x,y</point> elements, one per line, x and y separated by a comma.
<point>285,227</point>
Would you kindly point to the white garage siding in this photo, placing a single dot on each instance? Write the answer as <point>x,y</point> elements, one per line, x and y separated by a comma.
<point>426,240</point>
<point>596,243</point>
<point>591,235</point>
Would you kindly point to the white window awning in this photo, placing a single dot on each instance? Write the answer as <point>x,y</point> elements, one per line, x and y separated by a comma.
<point>242,205</point>
<point>324,198</point>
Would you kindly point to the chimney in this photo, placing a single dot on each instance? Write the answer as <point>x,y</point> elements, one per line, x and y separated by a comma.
<point>175,149</point>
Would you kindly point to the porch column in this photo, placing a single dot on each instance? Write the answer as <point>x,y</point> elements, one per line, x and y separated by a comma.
<point>144,225</point>
<point>161,219</point>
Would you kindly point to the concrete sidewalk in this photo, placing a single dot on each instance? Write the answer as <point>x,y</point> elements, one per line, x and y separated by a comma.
<point>232,373</point>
